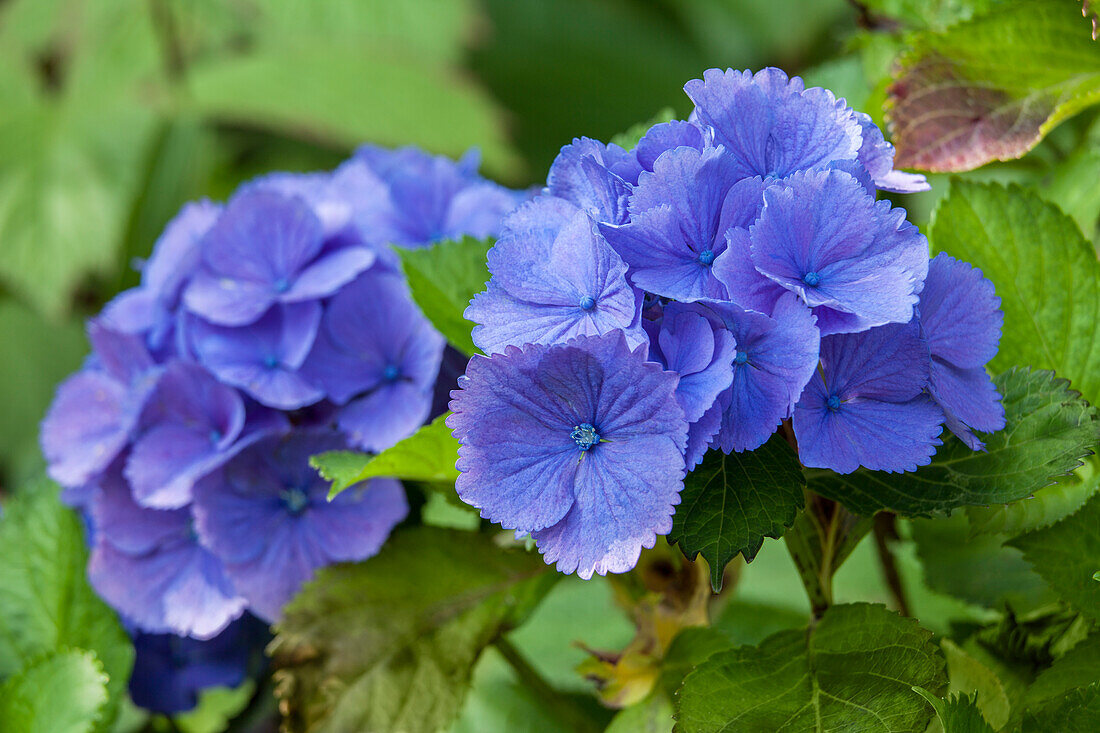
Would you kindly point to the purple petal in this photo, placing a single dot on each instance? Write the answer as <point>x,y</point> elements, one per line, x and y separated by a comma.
<point>969,400</point>
<point>877,157</point>
<point>960,313</point>
<point>668,135</point>
<point>132,528</point>
<point>390,413</point>
<point>177,253</point>
<point>477,210</point>
<point>123,355</point>
<point>357,522</point>
<point>701,355</point>
<point>226,301</point>
<point>87,425</point>
<point>582,174</point>
<point>329,273</point>
<point>165,463</point>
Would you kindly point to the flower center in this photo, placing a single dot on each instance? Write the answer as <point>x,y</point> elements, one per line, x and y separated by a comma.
<point>282,285</point>
<point>811,278</point>
<point>706,257</point>
<point>295,500</point>
<point>391,373</point>
<point>588,303</point>
<point>215,436</point>
<point>585,436</point>
<point>271,362</point>
<point>833,403</point>
<point>741,358</point>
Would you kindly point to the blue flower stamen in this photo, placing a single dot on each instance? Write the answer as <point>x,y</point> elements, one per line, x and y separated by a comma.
<point>271,362</point>
<point>295,500</point>
<point>216,436</point>
<point>741,358</point>
<point>588,303</point>
<point>282,285</point>
<point>811,278</point>
<point>391,373</point>
<point>585,436</point>
<point>833,403</point>
<point>706,257</point>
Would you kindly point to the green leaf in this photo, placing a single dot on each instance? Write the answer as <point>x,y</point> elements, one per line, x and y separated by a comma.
<point>991,88</point>
<point>391,643</point>
<point>1047,506</point>
<point>651,715</point>
<point>979,570</point>
<point>822,538</point>
<point>730,503</point>
<point>1078,711</point>
<point>216,707</point>
<point>936,14</point>
<point>427,455</point>
<point>854,670</point>
<point>1050,430</point>
<point>1078,666</point>
<point>1045,272</point>
<point>46,604</point>
<point>62,692</point>
<point>969,677</point>
<point>628,139</point>
<point>443,278</point>
<point>959,713</point>
<point>1067,554</point>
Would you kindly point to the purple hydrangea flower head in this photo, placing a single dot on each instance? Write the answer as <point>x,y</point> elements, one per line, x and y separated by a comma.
<point>771,125</point>
<point>267,248</point>
<point>776,356</point>
<point>678,224</point>
<point>266,516</point>
<point>580,444</point>
<point>876,156</point>
<point>692,342</point>
<point>95,411</point>
<point>596,177</point>
<point>148,564</point>
<point>378,357</point>
<point>857,262</point>
<point>554,277</point>
<point>433,198</point>
<point>867,406</point>
<point>263,358</point>
<point>170,671</point>
<point>668,135</point>
<point>961,319</point>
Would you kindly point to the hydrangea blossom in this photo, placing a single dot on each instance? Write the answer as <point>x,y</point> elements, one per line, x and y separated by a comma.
<point>553,276</point>
<point>267,517</point>
<point>961,320</point>
<point>581,445</point>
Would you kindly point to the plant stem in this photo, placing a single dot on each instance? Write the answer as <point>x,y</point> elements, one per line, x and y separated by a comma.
<point>819,542</point>
<point>886,531</point>
<point>553,700</point>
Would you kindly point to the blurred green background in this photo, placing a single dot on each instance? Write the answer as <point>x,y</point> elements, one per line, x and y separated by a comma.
<point>115,112</point>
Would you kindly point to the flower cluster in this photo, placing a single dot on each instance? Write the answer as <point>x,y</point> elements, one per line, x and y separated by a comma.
<point>732,271</point>
<point>265,330</point>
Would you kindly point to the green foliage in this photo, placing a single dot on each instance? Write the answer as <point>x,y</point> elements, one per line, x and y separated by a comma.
<point>46,604</point>
<point>1067,556</point>
<point>958,713</point>
<point>967,676</point>
<point>992,87</point>
<point>822,538</point>
<point>1046,507</point>
<point>62,692</point>
<point>934,14</point>
<point>1045,272</point>
<point>731,502</point>
<point>1079,666</point>
<point>391,643</point>
<point>443,278</point>
<point>1049,432</point>
<point>427,455</point>
<point>854,670</point>
<point>1078,711</point>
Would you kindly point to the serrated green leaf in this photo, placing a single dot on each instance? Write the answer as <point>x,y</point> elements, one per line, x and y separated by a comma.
<point>967,676</point>
<point>62,692</point>
<point>1047,506</point>
<point>390,643</point>
<point>935,14</point>
<point>854,670</point>
<point>1077,667</point>
<point>443,278</point>
<point>958,713</point>
<point>651,715</point>
<point>990,88</point>
<point>1050,430</point>
<point>628,139</point>
<point>427,455</point>
<point>46,604</point>
<point>1078,711</point>
<point>1045,272</point>
<point>730,503</point>
<point>216,707</point>
<point>1067,555</point>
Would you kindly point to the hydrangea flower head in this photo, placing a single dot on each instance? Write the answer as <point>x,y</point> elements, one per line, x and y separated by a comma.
<point>595,177</point>
<point>579,444</point>
<point>961,319</point>
<point>266,515</point>
<point>554,276</point>
<point>867,406</point>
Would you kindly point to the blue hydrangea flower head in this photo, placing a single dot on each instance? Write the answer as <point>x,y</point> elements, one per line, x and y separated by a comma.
<point>266,515</point>
<point>149,565</point>
<point>580,444</point>
<point>378,358</point>
<point>961,319</point>
<point>691,342</point>
<point>678,223</point>
<point>267,248</point>
<point>771,125</point>
<point>867,406</point>
<point>776,356</point>
<point>264,357</point>
<point>669,135</point>
<point>595,177</point>
<point>433,198</point>
<point>554,276</point>
<point>95,411</point>
<point>856,261</point>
